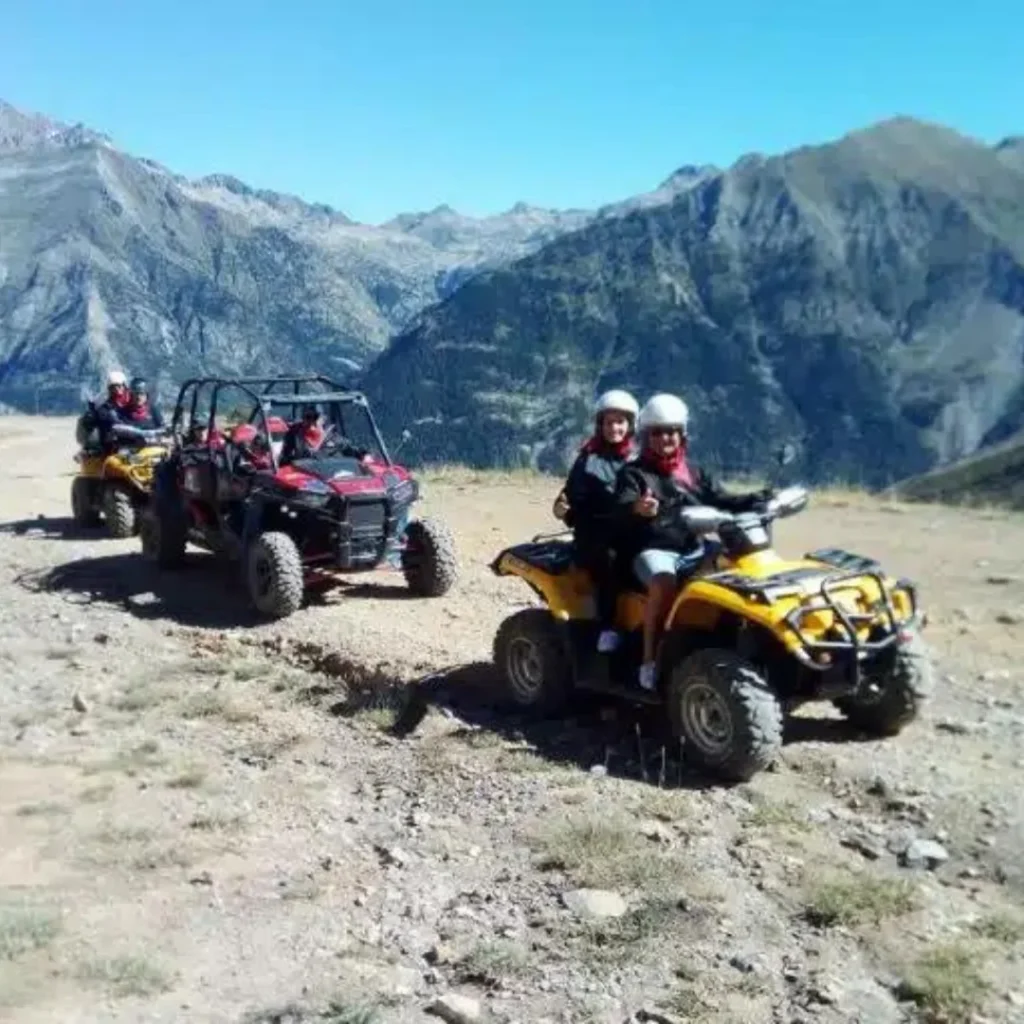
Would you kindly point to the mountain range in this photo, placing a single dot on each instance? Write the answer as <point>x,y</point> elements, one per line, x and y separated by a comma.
<point>107,259</point>
<point>863,298</point>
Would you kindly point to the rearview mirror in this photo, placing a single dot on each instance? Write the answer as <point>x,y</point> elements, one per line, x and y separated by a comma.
<point>789,501</point>
<point>786,454</point>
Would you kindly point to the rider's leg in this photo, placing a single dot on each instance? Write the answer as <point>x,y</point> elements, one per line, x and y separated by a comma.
<point>656,569</point>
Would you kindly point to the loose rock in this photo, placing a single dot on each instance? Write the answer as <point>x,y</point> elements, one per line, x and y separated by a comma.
<point>594,903</point>
<point>924,853</point>
<point>455,1009</point>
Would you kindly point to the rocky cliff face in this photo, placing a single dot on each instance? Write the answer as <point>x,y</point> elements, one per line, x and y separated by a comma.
<point>106,259</point>
<point>865,298</point>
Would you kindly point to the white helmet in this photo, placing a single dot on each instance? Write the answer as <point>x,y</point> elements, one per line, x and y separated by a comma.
<point>115,378</point>
<point>617,401</point>
<point>664,411</point>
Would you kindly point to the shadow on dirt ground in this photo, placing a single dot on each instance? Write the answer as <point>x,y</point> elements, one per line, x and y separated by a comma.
<point>52,528</point>
<point>596,734</point>
<point>203,593</point>
<point>191,596</point>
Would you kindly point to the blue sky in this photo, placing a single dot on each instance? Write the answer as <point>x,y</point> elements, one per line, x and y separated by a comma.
<point>382,106</point>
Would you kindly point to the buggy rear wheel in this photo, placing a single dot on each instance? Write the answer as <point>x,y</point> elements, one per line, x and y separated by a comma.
<point>119,512</point>
<point>274,575</point>
<point>895,693</point>
<point>82,510</point>
<point>532,656</point>
<point>725,713</point>
<point>428,559</point>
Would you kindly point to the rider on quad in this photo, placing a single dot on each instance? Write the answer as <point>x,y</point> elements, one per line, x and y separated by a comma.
<point>303,438</point>
<point>587,502</point>
<point>650,493</point>
<point>138,412</point>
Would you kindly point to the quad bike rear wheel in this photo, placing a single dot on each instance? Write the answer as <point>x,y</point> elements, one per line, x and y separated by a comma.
<point>82,510</point>
<point>274,575</point>
<point>898,687</point>
<point>728,718</point>
<point>119,512</point>
<point>429,562</point>
<point>532,657</point>
<point>163,539</point>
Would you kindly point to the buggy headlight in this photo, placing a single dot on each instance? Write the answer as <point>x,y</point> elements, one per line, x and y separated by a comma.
<point>312,493</point>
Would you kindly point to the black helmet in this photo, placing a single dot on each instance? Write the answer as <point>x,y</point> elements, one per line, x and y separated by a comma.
<point>310,413</point>
<point>138,386</point>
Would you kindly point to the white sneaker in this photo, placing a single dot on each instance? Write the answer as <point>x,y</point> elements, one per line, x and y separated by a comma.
<point>608,641</point>
<point>648,676</point>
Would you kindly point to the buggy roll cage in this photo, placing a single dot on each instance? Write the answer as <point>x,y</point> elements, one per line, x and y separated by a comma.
<point>266,398</point>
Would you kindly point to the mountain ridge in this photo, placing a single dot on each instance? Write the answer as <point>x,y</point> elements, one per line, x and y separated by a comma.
<point>865,296</point>
<point>107,258</point>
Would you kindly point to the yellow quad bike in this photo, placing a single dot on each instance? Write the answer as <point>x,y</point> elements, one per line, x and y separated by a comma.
<point>750,636</point>
<point>114,485</point>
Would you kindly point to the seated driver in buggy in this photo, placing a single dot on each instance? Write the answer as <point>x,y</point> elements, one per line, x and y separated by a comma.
<point>651,491</point>
<point>587,503</point>
<point>305,437</point>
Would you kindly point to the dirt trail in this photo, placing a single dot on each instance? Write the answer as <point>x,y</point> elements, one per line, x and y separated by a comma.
<point>199,826</point>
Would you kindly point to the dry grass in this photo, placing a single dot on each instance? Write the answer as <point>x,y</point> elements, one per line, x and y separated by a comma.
<point>492,963</point>
<point>948,984</point>
<point>126,976</point>
<point>129,762</point>
<point>212,704</point>
<point>188,778</point>
<point>857,899</point>
<point>1002,927</point>
<point>141,698</point>
<point>777,815</point>
<point>42,809</point>
<point>603,852</point>
<point>217,820</point>
<point>24,929</point>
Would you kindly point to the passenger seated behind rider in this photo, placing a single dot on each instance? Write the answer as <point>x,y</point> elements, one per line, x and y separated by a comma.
<point>651,491</point>
<point>304,438</point>
<point>587,502</point>
<point>138,412</point>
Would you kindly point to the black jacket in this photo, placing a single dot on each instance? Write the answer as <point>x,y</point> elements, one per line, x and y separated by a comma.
<point>665,530</point>
<point>590,490</point>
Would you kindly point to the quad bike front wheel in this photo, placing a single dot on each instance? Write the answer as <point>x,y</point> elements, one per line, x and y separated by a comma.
<point>898,686</point>
<point>532,657</point>
<point>82,510</point>
<point>163,539</point>
<point>119,512</point>
<point>274,575</point>
<point>727,717</point>
<point>429,562</point>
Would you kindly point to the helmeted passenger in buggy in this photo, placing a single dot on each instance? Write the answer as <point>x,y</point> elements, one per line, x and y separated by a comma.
<point>587,503</point>
<point>650,492</point>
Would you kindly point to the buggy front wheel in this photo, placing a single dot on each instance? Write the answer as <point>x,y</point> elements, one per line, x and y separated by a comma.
<point>274,575</point>
<point>429,562</point>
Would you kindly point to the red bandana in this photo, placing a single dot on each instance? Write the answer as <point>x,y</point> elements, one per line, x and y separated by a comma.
<point>599,446</point>
<point>674,465</point>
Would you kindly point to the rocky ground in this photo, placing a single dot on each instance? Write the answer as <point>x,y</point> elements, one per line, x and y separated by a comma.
<point>206,818</point>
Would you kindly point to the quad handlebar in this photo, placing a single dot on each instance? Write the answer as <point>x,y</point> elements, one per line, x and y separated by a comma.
<point>126,432</point>
<point>708,519</point>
